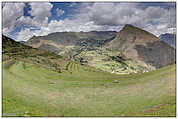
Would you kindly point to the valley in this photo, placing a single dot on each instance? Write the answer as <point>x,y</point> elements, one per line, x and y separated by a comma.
<point>90,79</point>
<point>132,50</point>
<point>88,59</point>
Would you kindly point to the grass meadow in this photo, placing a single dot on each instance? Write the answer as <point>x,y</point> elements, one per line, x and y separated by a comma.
<point>30,90</point>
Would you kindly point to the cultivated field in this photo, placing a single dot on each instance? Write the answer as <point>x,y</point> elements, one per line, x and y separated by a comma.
<point>30,90</point>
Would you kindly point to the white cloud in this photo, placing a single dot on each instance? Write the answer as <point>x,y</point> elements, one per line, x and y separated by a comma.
<point>27,21</point>
<point>40,11</point>
<point>11,12</point>
<point>13,15</point>
<point>60,12</point>
<point>111,13</point>
<point>75,25</point>
<point>125,13</point>
<point>94,16</point>
<point>171,30</point>
<point>24,35</point>
<point>119,14</point>
<point>159,29</point>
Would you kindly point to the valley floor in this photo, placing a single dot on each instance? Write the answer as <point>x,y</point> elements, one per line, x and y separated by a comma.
<point>29,90</point>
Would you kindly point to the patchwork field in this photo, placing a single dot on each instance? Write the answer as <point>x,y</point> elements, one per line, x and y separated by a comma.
<point>106,60</point>
<point>30,90</point>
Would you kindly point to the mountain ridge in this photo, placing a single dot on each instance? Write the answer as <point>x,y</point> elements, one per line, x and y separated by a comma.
<point>140,48</point>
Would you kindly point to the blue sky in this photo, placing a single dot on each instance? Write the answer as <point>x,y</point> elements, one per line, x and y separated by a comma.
<point>23,20</point>
<point>67,7</point>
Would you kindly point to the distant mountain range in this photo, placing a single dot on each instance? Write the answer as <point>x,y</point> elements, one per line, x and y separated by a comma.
<point>169,38</point>
<point>61,41</point>
<point>130,50</point>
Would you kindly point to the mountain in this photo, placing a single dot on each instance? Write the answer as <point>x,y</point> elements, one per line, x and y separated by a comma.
<point>61,41</point>
<point>131,50</point>
<point>169,38</point>
<point>35,84</point>
<point>13,50</point>
<point>87,48</point>
<point>142,47</point>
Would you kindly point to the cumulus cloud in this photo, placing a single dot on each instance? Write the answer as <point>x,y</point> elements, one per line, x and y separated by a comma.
<point>60,12</point>
<point>13,15</point>
<point>111,13</point>
<point>93,16</point>
<point>114,14</point>
<point>40,11</point>
<point>66,25</point>
<point>151,18</point>
<point>11,12</point>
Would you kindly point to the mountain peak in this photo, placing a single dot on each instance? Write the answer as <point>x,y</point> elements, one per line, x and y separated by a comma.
<point>128,26</point>
<point>131,27</point>
<point>142,46</point>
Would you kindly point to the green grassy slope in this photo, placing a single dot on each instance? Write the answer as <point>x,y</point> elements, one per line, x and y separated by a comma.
<point>15,50</point>
<point>31,90</point>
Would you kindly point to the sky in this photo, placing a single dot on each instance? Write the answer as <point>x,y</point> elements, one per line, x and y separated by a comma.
<point>22,20</point>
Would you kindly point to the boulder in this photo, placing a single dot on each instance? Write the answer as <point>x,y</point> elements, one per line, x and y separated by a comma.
<point>116,81</point>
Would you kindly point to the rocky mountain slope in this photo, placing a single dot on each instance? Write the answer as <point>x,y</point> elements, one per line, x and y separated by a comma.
<point>131,50</point>
<point>142,46</point>
<point>169,38</point>
<point>88,48</point>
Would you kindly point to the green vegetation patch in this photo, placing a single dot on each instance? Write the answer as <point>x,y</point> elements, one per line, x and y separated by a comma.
<point>84,92</point>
